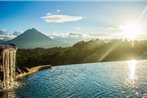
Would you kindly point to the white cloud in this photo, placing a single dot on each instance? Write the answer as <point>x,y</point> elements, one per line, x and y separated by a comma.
<point>114,27</point>
<point>61,18</point>
<point>4,35</point>
<point>73,35</point>
<point>52,37</point>
<point>7,37</point>
<point>16,33</point>
<point>49,14</point>
<point>78,28</point>
<point>58,10</point>
<point>3,31</point>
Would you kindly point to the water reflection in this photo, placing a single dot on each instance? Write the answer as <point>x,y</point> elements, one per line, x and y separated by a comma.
<point>132,71</point>
<point>86,81</point>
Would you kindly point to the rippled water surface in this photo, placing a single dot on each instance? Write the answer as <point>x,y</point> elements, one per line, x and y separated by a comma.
<point>127,79</point>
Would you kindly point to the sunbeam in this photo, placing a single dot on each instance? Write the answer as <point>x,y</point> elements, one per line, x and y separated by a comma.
<point>107,52</point>
<point>142,14</point>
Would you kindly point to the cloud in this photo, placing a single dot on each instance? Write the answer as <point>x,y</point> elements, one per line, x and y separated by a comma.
<point>78,28</point>
<point>114,28</point>
<point>49,14</point>
<point>58,10</point>
<point>61,18</point>
<point>4,35</point>
<point>73,35</point>
<point>16,33</point>
<point>3,31</point>
<point>7,37</point>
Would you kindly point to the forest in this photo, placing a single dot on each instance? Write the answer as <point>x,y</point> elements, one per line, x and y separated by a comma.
<point>83,52</point>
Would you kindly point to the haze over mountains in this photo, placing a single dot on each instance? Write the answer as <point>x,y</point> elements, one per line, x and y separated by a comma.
<point>32,38</point>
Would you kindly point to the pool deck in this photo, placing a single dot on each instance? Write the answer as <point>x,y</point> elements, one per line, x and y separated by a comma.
<point>32,70</point>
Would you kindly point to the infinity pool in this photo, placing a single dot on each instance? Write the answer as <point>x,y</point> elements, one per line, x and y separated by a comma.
<point>126,79</point>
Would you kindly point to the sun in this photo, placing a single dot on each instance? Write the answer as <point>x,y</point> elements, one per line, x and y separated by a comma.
<point>131,31</point>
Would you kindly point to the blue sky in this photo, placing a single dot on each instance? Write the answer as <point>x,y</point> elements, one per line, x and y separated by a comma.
<point>96,18</point>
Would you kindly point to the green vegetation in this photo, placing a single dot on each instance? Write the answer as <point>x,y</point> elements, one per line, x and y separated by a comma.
<point>82,52</point>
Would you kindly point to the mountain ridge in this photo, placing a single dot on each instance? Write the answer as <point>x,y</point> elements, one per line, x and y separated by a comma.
<point>32,38</point>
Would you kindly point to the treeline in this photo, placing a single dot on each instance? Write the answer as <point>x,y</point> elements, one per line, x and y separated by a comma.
<point>82,52</point>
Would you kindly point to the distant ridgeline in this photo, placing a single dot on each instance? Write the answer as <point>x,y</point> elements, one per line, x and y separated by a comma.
<point>83,52</point>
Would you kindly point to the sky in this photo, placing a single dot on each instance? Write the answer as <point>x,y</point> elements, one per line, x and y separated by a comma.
<point>102,19</point>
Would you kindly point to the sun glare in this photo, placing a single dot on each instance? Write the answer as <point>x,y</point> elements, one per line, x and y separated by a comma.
<point>131,74</point>
<point>131,31</point>
<point>132,69</point>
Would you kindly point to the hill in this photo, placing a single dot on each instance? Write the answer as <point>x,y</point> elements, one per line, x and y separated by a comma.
<point>83,52</point>
<point>32,38</point>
